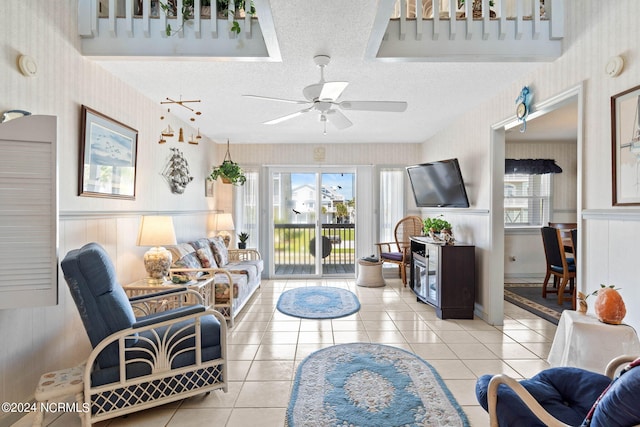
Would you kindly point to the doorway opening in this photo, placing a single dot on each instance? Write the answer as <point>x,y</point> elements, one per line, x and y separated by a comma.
<point>518,252</point>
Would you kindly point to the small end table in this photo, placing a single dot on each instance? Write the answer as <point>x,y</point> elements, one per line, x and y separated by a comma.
<point>370,274</point>
<point>59,384</point>
<point>582,341</point>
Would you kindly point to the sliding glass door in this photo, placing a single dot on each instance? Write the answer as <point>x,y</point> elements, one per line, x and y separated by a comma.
<point>313,222</point>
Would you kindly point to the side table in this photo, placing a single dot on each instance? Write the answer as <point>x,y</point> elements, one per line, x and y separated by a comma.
<point>59,384</point>
<point>370,274</point>
<point>205,288</point>
<point>582,341</point>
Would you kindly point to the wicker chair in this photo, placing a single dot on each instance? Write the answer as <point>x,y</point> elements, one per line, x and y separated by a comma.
<point>170,352</point>
<point>563,397</point>
<point>399,252</point>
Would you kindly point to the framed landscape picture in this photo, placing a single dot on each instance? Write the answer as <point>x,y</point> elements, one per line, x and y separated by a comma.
<point>108,154</point>
<point>625,143</point>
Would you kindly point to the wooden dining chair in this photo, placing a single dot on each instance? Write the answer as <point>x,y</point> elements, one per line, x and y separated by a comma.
<point>564,227</point>
<point>563,271</point>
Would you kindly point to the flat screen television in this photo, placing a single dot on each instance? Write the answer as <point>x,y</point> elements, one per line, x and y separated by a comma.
<point>438,184</point>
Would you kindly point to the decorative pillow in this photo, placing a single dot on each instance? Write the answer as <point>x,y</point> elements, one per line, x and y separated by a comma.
<point>219,251</point>
<point>184,256</point>
<point>619,405</point>
<point>204,253</point>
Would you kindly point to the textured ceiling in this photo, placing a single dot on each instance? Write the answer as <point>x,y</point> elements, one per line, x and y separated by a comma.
<point>435,92</point>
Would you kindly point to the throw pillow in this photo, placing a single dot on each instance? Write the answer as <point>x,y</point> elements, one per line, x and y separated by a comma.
<point>219,251</point>
<point>204,253</point>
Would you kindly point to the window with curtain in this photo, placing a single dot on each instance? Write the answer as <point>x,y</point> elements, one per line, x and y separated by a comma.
<point>527,191</point>
<point>247,212</point>
<point>391,201</point>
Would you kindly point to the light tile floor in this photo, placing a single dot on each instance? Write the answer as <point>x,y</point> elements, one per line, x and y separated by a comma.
<point>266,346</point>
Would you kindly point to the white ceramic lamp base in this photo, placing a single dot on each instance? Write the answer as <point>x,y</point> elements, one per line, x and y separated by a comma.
<point>157,261</point>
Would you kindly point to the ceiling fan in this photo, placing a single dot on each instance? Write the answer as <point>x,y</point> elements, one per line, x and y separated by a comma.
<point>322,98</point>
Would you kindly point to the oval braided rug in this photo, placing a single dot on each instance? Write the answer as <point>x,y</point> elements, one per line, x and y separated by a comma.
<point>370,385</point>
<point>318,302</point>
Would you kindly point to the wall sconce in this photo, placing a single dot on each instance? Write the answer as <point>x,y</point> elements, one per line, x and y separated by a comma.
<point>156,231</point>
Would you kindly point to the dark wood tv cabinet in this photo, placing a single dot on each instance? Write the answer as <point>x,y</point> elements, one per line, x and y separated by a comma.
<point>444,276</point>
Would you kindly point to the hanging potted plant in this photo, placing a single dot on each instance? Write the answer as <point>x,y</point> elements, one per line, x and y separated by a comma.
<point>229,171</point>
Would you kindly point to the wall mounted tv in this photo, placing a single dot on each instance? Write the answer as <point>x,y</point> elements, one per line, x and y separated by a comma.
<point>438,184</point>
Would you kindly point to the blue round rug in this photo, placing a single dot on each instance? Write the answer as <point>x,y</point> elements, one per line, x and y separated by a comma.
<point>318,302</point>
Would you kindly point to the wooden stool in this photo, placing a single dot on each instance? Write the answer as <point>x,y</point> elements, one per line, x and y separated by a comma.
<point>370,274</point>
<point>60,384</point>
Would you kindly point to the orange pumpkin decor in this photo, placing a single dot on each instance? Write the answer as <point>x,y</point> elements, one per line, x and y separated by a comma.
<point>609,306</point>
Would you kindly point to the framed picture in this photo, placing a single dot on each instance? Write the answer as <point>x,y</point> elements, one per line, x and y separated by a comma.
<point>108,154</point>
<point>209,186</point>
<point>625,143</point>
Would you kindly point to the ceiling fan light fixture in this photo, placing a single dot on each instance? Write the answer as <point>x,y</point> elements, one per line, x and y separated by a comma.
<point>323,96</point>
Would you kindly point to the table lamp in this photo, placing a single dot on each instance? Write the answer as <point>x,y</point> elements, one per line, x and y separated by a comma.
<point>156,231</point>
<point>223,225</point>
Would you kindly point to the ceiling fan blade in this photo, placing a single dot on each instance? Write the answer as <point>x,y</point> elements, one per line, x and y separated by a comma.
<point>332,90</point>
<point>268,98</point>
<point>338,119</point>
<point>389,106</point>
<point>287,117</point>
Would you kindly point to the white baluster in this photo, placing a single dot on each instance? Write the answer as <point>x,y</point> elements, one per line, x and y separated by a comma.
<point>436,19</point>
<point>519,21</point>
<point>146,12</point>
<point>535,14</point>
<point>112,17</point>
<point>128,17</point>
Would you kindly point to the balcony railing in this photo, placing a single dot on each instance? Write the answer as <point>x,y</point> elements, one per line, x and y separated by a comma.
<point>481,30</point>
<point>295,248</point>
<point>138,28</point>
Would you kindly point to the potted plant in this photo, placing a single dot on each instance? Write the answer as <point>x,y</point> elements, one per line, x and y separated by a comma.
<point>243,237</point>
<point>229,171</point>
<point>240,11</point>
<point>436,225</point>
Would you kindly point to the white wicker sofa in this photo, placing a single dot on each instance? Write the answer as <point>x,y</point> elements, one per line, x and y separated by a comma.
<point>206,256</point>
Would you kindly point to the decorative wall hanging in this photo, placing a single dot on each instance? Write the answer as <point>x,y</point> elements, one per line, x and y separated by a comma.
<point>523,105</point>
<point>182,103</point>
<point>625,144</point>
<point>177,172</point>
<point>108,154</point>
<point>209,187</point>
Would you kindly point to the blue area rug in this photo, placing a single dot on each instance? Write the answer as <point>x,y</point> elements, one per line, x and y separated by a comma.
<point>318,302</point>
<point>370,385</point>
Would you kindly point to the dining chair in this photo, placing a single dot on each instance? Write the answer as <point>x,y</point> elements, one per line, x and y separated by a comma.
<point>565,229</point>
<point>563,271</point>
<point>399,252</point>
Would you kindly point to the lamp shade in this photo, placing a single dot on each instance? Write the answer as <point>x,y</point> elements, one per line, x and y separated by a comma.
<point>156,231</point>
<point>224,222</point>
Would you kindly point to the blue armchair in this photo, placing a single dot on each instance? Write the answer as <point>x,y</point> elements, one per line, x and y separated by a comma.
<point>564,396</point>
<point>169,352</point>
